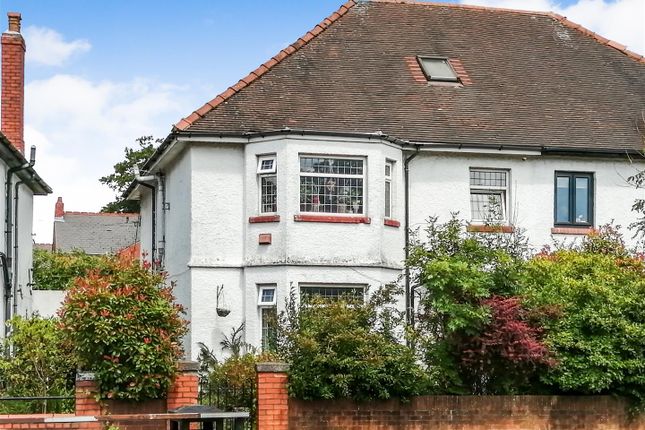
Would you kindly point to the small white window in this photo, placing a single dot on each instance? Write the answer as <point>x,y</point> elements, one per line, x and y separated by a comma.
<point>266,165</point>
<point>389,167</point>
<point>438,69</point>
<point>267,296</point>
<point>268,184</point>
<point>489,195</point>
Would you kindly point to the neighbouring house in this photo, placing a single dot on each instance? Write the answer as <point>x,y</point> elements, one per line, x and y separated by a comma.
<point>19,179</point>
<point>95,233</point>
<point>309,172</point>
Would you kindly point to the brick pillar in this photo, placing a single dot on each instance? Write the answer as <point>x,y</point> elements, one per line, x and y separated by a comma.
<point>184,390</point>
<point>86,390</point>
<point>13,83</point>
<point>273,396</point>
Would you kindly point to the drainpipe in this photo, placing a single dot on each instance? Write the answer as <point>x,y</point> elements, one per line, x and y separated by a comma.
<point>9,227</point>
<point>15,249</point>
<point>161,180</point>
<point>143,180</point>
<point>409,293</point>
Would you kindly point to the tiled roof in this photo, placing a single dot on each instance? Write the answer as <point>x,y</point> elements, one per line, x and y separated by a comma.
<point>532,78</point>
<point>95,233</point>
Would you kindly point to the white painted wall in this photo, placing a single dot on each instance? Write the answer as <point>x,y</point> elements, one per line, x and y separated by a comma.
<point>213,189</point>
<point>47,303</point>
<point>25,249</point>
<point>440,184</point>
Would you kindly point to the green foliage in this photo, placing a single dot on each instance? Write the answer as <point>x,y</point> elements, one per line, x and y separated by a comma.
<point>598,332</point>
<point>41,363</point>
<point>344,349</point>
<point>124,327</point>
<point>455,273</point>
<point>124,175</point>
<point>57,270</point>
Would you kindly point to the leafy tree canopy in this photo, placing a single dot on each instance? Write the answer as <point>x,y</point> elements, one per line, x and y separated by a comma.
<point>58,270</point>
<point>124,175</point>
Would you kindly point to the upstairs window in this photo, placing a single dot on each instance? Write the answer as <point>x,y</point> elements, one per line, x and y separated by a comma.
<point>268,182</point>
<point>489,195</point>
<point>573,198</point>
<point>437,69</point>
<point>331,185</point>
<point>389,167</point>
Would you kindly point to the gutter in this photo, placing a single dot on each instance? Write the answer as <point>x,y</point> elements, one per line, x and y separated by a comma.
<point>9,228</point>
<point>409,291</point>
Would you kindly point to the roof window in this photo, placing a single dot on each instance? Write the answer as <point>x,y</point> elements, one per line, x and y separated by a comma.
<point>437,69</point>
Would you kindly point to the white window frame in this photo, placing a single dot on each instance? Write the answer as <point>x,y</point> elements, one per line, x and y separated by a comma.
<point>261,289</point>
<point>335,175</point>
<point>454,78</point>
<point>504,192</point>
<point>266,173</point>
<point>388,181</point>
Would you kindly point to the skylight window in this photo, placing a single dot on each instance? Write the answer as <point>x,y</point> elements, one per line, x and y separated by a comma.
<point>438,69</point>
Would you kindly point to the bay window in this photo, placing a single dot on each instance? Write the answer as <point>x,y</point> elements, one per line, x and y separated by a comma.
<point>268,183</point>
<point>332,185</point>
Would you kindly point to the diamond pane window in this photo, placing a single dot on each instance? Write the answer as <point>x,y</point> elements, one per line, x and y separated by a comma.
<point>437,69</point>
<point>488,195</point>
<point>331,185</point>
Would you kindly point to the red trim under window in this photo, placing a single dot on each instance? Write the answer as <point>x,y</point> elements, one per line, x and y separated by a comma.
<point>490,228</point>
<point>333,219</point>
<point>391,222</point>
<point>264,218</point>
<point>571,230</point>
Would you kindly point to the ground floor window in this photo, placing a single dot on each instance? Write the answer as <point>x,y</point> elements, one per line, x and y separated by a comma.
<point>269,316</point>
<point>332,292</point>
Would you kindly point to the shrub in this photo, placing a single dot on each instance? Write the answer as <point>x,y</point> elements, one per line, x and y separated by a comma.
<point>58,270</point>
<point>598,337</point>
<point>124,327</point>
<point>345,349</point>
<point>41,362</point>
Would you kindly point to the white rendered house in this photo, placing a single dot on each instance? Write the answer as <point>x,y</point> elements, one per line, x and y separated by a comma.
<point>309,172</point>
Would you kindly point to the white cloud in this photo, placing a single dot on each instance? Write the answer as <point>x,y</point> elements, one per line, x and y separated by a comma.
<point>81,127</point>
<point>47,47</point>
<point>621,20</point>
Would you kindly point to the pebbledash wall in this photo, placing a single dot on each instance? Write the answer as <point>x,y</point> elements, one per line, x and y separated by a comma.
<point>126,415</point>
<point>276,411</point>
<point>212,229</point>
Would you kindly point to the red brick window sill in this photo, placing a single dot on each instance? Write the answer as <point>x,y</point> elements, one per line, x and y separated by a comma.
<point>490,228</point>
<point>333,219</point>
<point>391,222</point>
<point>264,218</point>
<point>571,230</point>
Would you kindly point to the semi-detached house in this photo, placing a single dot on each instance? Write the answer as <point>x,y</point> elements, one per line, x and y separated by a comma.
<point>308,172</point>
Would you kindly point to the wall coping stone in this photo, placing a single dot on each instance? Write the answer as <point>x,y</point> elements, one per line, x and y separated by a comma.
<point>188,366</point>
<point>85,376</point>
<point>274,367</point>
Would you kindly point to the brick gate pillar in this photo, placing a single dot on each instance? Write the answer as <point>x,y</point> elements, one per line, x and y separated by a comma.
<point>184,390</point>
<point>273,396</point>
<point>85,393</point>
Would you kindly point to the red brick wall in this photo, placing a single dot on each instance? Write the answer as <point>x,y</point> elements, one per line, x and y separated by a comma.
<point>273,397</point>
<point>467,413</point>
<point>183,392</point>
<point>13,83</point>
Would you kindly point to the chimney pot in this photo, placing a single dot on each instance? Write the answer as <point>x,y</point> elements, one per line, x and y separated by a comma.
<point>14,21</point>
<point>60,209</point>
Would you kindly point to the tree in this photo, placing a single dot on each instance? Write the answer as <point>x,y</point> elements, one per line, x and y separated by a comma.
<point>125,327</point>
<point>638,181</point>
<point>58,270</point>
<point>124,175</point>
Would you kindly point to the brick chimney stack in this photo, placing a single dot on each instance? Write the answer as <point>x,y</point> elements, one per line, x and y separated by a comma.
<point>12,101</point>
<point>59,211</point>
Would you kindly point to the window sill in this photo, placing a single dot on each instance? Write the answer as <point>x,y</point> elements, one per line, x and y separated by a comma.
<point>475,228</point>
<point>333,219</point>
<point>264,218</point>
<point>572,230</point>
<point>391,222</point>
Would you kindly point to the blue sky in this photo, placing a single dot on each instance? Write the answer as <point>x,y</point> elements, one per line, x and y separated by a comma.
<point>102,73</point>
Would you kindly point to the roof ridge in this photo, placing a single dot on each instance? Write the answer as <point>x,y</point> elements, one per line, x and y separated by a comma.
<point>127,214</point>
<point>462,6</point>
<point>600,39</point>
<point>184,123</point>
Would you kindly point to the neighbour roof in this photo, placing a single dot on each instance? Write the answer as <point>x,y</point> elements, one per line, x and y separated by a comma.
<point>529,79</point>
<point>95,233</point>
